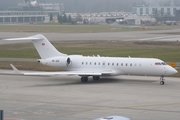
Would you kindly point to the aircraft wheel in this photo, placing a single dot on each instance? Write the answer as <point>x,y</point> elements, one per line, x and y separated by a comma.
<point>84,79</point>
<point>96,77</point>
<point>162,82</point>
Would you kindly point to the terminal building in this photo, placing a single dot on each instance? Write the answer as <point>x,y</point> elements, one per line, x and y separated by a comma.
<point>22,17</point>
<point>30,12</point>
<point>158,8</point>
<point>153,10</point>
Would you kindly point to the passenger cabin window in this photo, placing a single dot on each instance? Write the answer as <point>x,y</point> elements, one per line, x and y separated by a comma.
<point>117,64</point>
<point>95,63</point>
<point>82,63</point>
<point>121,64</point>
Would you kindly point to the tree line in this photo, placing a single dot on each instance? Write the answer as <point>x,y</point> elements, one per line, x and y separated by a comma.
<point>63,18</point>
<point>68,19</point>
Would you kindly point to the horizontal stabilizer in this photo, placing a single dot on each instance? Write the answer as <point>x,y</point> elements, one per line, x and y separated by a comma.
<point>25,38</point>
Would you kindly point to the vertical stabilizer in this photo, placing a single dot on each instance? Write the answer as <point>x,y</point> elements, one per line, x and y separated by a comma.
<point>45,48</point>
<point>42,45</point>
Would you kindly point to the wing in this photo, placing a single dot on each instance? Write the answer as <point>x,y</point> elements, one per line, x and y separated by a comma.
<point>80,73</point>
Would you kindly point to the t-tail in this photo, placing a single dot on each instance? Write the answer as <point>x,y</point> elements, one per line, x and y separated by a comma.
<point>42,45</point>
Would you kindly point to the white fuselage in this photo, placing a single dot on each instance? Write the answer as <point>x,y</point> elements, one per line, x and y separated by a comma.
<point>86,66</point>
<point>117,65</point>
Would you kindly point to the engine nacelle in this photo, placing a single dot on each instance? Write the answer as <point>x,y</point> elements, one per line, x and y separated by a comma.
<point>42,61</point>
<point>62,61</point>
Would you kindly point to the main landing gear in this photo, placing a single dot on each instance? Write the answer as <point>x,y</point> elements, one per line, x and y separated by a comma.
<point>95,78</point>
<point>162,80</point>
<point>85,78</point>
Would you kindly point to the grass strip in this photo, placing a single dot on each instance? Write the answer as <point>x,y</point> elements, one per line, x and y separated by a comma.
<point>78,28</point>
<point>167,51</point>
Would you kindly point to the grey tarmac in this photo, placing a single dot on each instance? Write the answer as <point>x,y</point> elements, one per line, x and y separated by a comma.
<point>159,35</point>
<point>66,98</point>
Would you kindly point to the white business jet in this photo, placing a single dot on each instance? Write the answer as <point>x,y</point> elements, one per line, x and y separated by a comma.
<point>94,66</point>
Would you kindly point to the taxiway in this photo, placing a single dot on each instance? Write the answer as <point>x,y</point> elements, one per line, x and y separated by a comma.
<point>158,35</point>
<point>66,98</point>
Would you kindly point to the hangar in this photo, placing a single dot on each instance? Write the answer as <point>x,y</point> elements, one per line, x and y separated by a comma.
<point>21,17</point>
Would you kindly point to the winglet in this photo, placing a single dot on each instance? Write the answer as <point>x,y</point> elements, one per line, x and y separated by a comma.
<point>15,69</point>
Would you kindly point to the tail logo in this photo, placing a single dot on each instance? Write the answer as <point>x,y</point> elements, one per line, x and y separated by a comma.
<point>43,44</point>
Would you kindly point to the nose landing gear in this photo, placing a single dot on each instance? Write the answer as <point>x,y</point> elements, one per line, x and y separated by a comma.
<point>162,80</point>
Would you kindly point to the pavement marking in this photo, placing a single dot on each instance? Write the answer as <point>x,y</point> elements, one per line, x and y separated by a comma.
<point>152,105</point>
<point>156,38</point>
<point>65,112</point>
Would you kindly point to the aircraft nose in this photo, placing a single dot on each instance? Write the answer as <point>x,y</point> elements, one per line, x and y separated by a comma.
<point>171,71</point>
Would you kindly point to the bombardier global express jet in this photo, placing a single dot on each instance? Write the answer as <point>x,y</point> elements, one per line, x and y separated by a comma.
<point>94,66</point>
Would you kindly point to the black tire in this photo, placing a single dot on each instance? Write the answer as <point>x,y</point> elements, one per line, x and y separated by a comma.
<point>162,82</point>
<point>84,79</point>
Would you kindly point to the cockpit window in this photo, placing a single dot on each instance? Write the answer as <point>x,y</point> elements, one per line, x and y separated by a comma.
<point>157,63</point>
<point>163,63</point>
<point>108,118</point>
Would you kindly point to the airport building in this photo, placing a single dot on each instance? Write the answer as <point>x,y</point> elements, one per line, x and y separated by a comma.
<point>52,6</point>
<point>156,8</point>
<point>30,12</point>
<point>22,17</point>
<point>153,10</point>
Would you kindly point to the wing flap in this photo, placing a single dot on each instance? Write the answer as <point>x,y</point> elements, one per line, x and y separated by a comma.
<point>80,73</point>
